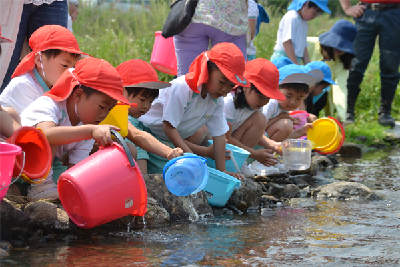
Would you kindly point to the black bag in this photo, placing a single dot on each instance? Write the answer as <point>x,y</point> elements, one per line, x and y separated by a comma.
<point>179,17</point>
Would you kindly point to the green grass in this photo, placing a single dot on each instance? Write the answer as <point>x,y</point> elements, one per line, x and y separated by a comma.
<point>119,36</point>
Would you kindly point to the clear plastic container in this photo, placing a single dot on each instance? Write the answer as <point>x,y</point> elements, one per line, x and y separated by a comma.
<point>297,154</point>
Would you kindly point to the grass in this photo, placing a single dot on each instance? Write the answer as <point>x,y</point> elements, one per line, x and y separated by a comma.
<point>118,36</point>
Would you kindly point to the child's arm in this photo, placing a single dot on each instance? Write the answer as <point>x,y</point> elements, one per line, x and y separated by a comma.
<point>174,136</point>
<point>149,143</point>
<point>289,50</point>
<point>306,57</point>
<point>301,131</point>
<point>61,135</point>
<point>7,124</point>
<point>219,143</point>
<point>270,144</point>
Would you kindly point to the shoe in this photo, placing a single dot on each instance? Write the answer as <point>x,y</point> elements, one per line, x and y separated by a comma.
<point>385,119</point>
<point>350,117</point>
<point>45,190</point>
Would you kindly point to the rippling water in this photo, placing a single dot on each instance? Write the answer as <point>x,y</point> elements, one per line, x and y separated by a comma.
<point>314,232</point>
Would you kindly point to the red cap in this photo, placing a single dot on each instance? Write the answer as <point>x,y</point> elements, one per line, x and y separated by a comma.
<point>91,72</point>
<point>139,73</point>
<point>265,76</point>
<point>228,58</point>
<point>44,38</point>
<point>4,40</point>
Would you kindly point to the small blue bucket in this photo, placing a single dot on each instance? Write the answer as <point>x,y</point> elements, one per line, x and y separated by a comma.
<point>240,156</point>
<point>186,175</point>
<point>219,187</point>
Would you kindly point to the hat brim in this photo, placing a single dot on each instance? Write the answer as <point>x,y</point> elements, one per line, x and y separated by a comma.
<point>152,85</point>
<point>306,78</point>
<point>270,92</point>
<point>72,51</point>
<point>319,75</point>
<point>329,81</point>
<point>323,7</point>
<point>5,40</point>
<point>233,77</point>
<point>334,40</point>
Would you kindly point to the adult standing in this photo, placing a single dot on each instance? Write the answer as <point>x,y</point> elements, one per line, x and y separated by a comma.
<point>216,21</point>
<point>375,18</point>
<point>35,14</point>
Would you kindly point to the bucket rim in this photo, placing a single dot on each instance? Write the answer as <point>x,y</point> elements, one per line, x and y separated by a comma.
<point>321,148</point>
<point>13,152</point>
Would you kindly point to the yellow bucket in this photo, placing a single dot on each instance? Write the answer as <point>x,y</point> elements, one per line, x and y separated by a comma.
<point>118,116</point>
<point>325,135</point>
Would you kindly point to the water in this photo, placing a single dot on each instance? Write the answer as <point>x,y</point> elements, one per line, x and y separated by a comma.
<point>312,232</point>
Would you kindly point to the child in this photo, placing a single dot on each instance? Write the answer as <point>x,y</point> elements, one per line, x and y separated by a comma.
<point>294,83</point>
<point>178,115</point>
<point>256,15</point>
<point>243,110</point>
<point>279,62</point>
<point>292,33</point>
<point>54,50</point>
<point>141,86</point>
<point>70,113</point>
<point>335,47</point>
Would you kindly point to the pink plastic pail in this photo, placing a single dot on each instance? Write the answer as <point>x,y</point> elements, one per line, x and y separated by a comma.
<point>301,115</point>
<point>8,152</point>
<point>106,186</point>
<point>163,57</point>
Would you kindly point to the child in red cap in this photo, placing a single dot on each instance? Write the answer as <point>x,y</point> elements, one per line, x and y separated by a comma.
<point>54,50</point>
<point>243,110</point>
<point>181,112</point>
<point>141,86</point>
<point>70,113</point>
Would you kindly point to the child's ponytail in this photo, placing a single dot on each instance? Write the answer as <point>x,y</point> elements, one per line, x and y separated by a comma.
<point>240,99</point>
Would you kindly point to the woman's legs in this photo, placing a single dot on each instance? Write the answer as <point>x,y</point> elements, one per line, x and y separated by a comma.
<point>280,130</point>
<point>251,131</point>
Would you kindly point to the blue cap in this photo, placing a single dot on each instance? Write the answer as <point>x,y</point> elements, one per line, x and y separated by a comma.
<point>279,62</point>
<point>295,74</point>
<point>298,4</point>
<point>315,72</point>
<point>322,66</point>
<point>341,36</point>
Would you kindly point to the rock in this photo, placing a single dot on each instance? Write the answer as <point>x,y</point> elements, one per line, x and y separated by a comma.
<point>241,205</point>
<point>189,208</point>
<point>270,198</point>
<point>3,254</point>
<point>4,245</point>
<point>249,192</point>
<point>345,191</point>
<point>48,215</point>
<point>221,211</point>
<point>301,202</point>
<point>155,217</point>
<point>318,163</point>
<point>291,191</point>
<point>305,192</point>
<point>276,190</point>
<point>11,217</point>
<point>299,182</point>
<point>333,159</point>
<point>350,149</point>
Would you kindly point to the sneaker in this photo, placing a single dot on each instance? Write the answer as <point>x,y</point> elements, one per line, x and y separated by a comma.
<point>45,190</point>
<point>385,119</point>
<point>350,117</point>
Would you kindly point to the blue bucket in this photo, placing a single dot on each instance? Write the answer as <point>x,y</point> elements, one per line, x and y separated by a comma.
<point>219,187</point>
<point>186,175</point>
<point>240,156</point>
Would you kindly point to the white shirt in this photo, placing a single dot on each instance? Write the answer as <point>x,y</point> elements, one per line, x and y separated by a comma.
<point>234,116</point>
<point>253,13</point>
<point>186,110</point>
<point>292,27</point>
<point>46,109</point>
<point>20,92</point>
<point>272,109</point>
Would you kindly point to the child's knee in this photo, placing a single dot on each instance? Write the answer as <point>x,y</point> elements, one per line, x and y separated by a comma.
<point>260,119</point>
<point>13,113</point>
<point>287,126</point>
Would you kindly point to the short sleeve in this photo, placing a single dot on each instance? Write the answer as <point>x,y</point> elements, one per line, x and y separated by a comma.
<point>175,101</point>
<point>80,151</point>
<point>217,125</point>
<point>289,25</point>
<point>229,108</point>
<point>42,109</point>
<point>253,10</point>
<point>270,109</point>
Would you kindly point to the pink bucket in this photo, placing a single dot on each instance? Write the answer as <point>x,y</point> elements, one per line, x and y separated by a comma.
<point>8,152</point>
<point>301,115</point>
<point>106,186</point>
<point>163,57</point>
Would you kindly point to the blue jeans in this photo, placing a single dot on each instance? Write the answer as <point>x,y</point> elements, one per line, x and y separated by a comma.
<point>32,18</point>
<point>386,25</point>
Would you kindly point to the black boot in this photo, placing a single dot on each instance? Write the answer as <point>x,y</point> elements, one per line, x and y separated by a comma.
<point>385,119</point>
<point>350,117</point>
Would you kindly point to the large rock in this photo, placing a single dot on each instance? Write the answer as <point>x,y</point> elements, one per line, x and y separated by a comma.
<point>249,192</point>
<point>351,150</point>
<point>345,191</point>
<point>11,217</point>
<point>190,208</point>
<point>48,215</point>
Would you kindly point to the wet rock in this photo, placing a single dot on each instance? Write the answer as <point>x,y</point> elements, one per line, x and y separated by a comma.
<point>263,186</point>
<point>19,233</point>
<point>333,159</point>
<point>241,205</point>
<point>6,246</point>
<point>179,208</point>
<point>44,214</point>
<point>270,199</point>
<point>299,182</point>
<point>305,192</point>
<point>235,210</point>
<point>291,191</point>
<point>301,202</point>
<point>11,217</point>
<point>155,217</point>
<point>350,149</point>
<point>249,192</point>
<point>345,190</point>
<point>36,236</point>
<point>221,211</point>
<point>3,254</point>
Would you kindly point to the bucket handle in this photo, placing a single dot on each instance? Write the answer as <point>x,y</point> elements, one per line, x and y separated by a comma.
<point>185,156</point>
<point>23,166</point>
<point>234,162</point>
<point>341,140</point>
<point>124,145</point>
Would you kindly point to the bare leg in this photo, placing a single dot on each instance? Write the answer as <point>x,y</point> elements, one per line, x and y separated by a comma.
<point>280,130</point>
<point>198,136</point>
<point>133,150</point>
<point>251,131</point>
<point>142,163</point>
<point>13,113</point>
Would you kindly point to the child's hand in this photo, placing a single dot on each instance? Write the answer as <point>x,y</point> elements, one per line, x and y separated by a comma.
<point>102,135</point>
<point>264,157</point>
<point>234,174</point>
<point>278,148</point>
<point>311,117</point>
<point>304,129</point>
<point>296,121</point>
<point>174,153</point>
